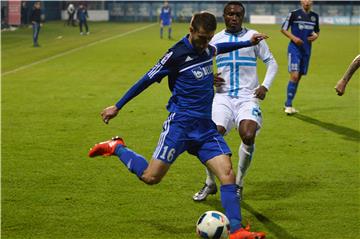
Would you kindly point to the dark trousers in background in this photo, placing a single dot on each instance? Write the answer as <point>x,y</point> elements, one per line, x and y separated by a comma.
<point>81,23</point>
<point>36,31</point>
<point>71,19</point>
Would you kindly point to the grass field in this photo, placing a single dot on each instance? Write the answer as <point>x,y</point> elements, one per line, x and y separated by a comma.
<point>303,184</point>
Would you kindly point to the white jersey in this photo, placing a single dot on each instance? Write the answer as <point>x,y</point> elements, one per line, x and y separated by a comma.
<point>238,68</point>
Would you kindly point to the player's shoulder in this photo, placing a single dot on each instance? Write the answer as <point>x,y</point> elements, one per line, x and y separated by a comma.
<point>312,13</point>
<point>218,37</point>
<point>296,12</point>
<point>178,50</point>
<point>250,31</point>
<point>247,33</point>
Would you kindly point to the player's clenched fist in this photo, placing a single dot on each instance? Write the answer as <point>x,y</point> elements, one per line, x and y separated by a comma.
<point>108,113</point>
<point>258,37</point>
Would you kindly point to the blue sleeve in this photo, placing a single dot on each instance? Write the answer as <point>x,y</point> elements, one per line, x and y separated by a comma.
<point>317,28</point>
<point>159,71</point>
<point>225,47</point>
<point>288,21</point>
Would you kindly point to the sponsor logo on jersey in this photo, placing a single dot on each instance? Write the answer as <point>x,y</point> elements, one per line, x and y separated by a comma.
<point>306,27</point>
<point>200,72</point>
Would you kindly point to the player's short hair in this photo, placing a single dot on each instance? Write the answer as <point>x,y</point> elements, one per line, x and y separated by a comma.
<point>203,19</point>
<point>234,3</point>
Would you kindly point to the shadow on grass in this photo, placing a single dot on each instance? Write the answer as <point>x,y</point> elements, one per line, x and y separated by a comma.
<point>273,227</point>
<point>349,134</point>
<point>280,189</point>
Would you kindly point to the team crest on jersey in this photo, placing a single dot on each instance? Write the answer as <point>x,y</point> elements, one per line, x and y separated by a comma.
<point>200,72</point>
<point>313,18</point>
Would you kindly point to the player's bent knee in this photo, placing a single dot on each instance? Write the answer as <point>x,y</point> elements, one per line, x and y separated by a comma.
<point>151,180</point>
<point>248,138</point>
<point>227,177</point>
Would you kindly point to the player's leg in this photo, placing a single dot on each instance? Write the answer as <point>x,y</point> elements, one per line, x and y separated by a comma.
<point>161,30</point>
<point>149,173</point>
<point>294,61</point>
<point>167,150</point>
<point>81,27</point>
<point>247,132</point>
<point>169,31</point>
<point>223,117</point>
<point>155,171</point>
<point>86,27</point>
<point>221,166</point>
<point>213,151</point>
<point>249,121</point>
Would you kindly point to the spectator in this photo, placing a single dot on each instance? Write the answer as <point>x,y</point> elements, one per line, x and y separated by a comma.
<point>71,13</point>
<point>82,15</point>
<point>35,19</point>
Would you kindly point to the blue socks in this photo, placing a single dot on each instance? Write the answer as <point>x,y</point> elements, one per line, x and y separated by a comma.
<point>169,33</point>
<point>162,31</point>
<point>231,204</point>
<point>291,91</point>
<point>133,161</point>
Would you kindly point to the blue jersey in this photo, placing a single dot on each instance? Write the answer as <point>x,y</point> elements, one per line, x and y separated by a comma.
<point>82,14</point>
<point>302,26</point>
<point>165,15</point>
<point>190,78</point>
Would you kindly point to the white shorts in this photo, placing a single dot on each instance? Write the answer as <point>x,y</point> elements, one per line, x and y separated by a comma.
<point>229,111</point>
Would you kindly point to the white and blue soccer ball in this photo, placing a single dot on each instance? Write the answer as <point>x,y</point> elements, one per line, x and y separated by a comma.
<point>213,225</point>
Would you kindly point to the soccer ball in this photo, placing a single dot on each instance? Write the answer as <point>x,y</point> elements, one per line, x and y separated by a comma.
<point>213,225</point>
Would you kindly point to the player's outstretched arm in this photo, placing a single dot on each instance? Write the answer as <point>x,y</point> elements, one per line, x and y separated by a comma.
<point>341,84</point>
<point>225,47</point>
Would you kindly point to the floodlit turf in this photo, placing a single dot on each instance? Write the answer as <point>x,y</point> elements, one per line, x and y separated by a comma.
<point>303,183</point>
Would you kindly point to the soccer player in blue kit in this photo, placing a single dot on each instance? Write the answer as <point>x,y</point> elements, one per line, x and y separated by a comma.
<point>305,29</point>
<point>189,67</point>
<point>165,19</point>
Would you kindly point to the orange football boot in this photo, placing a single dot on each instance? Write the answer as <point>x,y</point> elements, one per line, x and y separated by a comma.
<point>244,233</point>
<point>106,148</point>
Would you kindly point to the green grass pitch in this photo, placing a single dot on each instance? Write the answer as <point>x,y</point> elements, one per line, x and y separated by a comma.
<point>303,183</point>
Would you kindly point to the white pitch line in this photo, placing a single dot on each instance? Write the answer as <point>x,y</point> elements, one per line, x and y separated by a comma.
<point>74,50</point>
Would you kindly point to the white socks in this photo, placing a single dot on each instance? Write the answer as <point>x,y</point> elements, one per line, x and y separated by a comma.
<point>245,156</point>
<point>210,178</point>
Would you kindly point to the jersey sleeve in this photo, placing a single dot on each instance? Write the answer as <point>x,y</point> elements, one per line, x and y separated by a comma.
<point>155,74</point>
<point>263,52</point>
<point>317,25</point>
<point>288,21</point>
<point>225,47</point>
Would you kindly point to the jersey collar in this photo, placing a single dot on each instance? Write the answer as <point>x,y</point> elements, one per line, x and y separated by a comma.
<point>187,42</point>
<point>238,34</point>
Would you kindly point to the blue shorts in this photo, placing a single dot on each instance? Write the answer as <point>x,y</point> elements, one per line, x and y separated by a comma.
<point>166,22</point>
<point>297,60</point>
<point>184,133</point>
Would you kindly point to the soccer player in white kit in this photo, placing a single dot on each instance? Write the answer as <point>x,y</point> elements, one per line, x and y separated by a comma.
<point>238,92</point>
